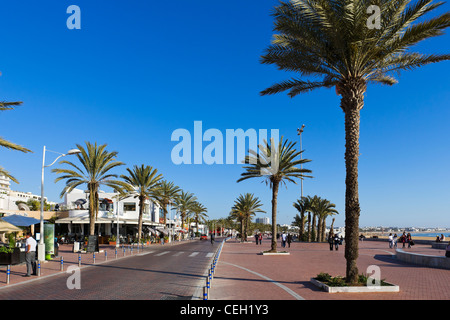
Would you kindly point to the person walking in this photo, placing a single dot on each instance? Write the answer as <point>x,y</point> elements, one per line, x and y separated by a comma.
<point>260,238</point>
<point>289,239</point>
<point>394,240</point>
<point>30,256</point>
<point>336,242</point>
<point>331,240</point>
<point>283,240</point>
<point>391,240</point>
<point>256,238</point>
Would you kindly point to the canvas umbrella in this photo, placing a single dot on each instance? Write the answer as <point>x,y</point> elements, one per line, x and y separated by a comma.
<point>8,227</point>
<point>20,221</point>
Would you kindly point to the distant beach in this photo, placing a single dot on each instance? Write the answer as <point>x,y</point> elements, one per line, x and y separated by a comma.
<point>431,235</point>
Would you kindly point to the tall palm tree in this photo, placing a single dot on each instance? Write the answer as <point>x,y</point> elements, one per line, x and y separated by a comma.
<point>184,203</point>
<point>281,168</point>
<point>4,106</point>
<point>165,195</point>
<point>96,165</point>
<point>143,182</point>
<point>300,222</point>
<point>331,40</point>
<point>246,206</point>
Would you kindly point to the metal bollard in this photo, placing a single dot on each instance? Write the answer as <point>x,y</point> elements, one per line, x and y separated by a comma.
<point>94,257</point>
<point>39,268</point>
<point>123,251</point>
<point>208,281</point>
<point>8,272</point>
<point>62,263</point>
<point>115,252</point>
<point>106,255</point>
<point>205,293</point>
<point>79,260</point>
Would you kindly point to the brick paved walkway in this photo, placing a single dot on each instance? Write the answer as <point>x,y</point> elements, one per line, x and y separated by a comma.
<point>242,274</point>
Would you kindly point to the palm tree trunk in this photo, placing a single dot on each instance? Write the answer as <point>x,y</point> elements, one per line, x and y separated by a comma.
<point>275,186</point>
<point>309,226</point>
<point>302,226</point>
<point>324,226</point>
<point>313,230</point>
<point>141,213</point>
<point>351,103</point>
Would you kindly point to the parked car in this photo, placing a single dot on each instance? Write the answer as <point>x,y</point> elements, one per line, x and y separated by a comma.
<point>203,237</point>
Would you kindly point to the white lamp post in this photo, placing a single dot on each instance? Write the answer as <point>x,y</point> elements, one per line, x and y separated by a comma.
<point>299,132</point>
<point>41,245</point>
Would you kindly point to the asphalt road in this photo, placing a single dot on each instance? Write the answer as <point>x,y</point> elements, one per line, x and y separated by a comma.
<point>166,272</point>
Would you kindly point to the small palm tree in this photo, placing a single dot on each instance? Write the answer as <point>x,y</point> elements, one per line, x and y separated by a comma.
<point>96,164</point>
<point>165,195</point>
<point>281,168</point>
<point>323,209</point>
<point>8,144</point>
<point>143,182</point>
<point>184,203</point>
<point>246,206</point>
<point>331,40</point>
<point>198,212</point>
<point>302,208</point>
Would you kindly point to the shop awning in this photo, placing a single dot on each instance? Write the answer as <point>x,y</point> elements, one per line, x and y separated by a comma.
<point>21,221</point>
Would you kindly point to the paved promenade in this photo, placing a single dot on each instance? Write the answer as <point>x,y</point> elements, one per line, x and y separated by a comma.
<point>242,274</point>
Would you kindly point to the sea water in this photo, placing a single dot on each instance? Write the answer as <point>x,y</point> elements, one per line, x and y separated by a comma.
<point>432,235</point>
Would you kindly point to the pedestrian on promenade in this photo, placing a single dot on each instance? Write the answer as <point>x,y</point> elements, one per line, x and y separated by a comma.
<point>289,239</point>
<point>256,238</point>
<point>30,256</point>
<point>331,240</point>
<point>260,238</point>
<point>394,240</point>
<point>283,240</point>
<point>212,238</point>
<point>336,242</point>
<point>409,240</point>
<point>391,240</point>
<point>442,238</point>
<point>447,250</point>
<point>403,239</point>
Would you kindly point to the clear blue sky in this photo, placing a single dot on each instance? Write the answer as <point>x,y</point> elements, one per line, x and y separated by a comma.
<point>139,70</point>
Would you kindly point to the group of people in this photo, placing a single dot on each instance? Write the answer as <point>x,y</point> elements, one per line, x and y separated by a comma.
<point>404,239</point>
<point>441,238</point>
<point>335,241</point>
<point>258,238</point>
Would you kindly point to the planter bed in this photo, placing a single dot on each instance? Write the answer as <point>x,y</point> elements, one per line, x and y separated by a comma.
<point>388,287</point>
<point>282,253</point>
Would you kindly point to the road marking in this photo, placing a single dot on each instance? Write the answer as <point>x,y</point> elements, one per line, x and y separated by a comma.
<point>292,293</point>
<point>162,253</point>
<point>210,254</point>
<point>193,254</point>
<point>178,253</point>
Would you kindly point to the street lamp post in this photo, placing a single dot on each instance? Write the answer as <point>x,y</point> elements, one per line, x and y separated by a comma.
<point>299,132</point>
<point>41,245</point>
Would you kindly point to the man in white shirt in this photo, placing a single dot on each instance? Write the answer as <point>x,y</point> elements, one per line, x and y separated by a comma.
<point>30,257</point>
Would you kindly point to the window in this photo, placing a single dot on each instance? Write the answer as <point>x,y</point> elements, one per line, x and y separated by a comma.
<point>129,206</point>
